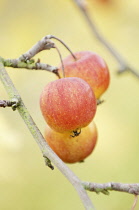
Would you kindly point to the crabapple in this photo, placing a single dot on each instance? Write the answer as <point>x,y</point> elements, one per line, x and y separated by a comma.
<point>90,67</point>
<point>68,104</point>
<point>70,149</point>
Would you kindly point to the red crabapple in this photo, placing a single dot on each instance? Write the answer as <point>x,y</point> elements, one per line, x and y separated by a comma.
<point>90,67</point>
<point>70,149</point>
<point>68,104</point>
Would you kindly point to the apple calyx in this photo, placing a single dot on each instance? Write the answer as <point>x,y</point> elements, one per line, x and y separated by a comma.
<point>76,133</point>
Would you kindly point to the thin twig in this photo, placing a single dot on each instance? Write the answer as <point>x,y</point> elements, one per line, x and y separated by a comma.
<point>26,61</point>
<point>29,64</point>
<point>135,202</point>
<point>10,103</point>
<point>111,186</point>
<point>45,149</point>
<point>43,44</point>
<point>5,103</point>
<point>124,66</point>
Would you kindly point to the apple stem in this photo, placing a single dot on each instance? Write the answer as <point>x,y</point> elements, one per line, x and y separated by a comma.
<point>54,37</point>
<point>99,101</point>
<point>60,60</point>
<point>135,202</point>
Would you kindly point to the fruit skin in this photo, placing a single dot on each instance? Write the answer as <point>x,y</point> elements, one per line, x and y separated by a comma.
<point>68,104</point>
<point>69,149</point>
<point>90,67</point>
<point>105,1</point>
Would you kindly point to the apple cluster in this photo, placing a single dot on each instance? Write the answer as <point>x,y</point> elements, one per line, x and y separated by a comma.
<point>69,105</point>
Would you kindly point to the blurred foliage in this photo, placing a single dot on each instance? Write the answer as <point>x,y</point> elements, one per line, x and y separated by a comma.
<point>25,182</point>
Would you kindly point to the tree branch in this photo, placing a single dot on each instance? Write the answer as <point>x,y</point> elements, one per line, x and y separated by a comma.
<point>9,103</point>
<point>29,64</point>
<point>45,149</point>
<point>124,66</point>
<point>44,44</point>
<point>106,187</point>
<point>26,61</point>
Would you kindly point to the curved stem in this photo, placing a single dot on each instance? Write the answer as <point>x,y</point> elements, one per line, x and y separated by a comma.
<point>45,149</point>
<point>135,202</point>
<point>61,61</point>
<point>54,37</point>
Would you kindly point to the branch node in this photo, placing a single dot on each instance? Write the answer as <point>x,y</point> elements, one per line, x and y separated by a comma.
<point>55,71</point>
<point>14,103</point>
<point>48,162</point>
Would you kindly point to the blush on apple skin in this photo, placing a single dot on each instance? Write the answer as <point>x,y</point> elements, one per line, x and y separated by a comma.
<point>68,104</point>
<point>69,149</point>
<point>90,67</point>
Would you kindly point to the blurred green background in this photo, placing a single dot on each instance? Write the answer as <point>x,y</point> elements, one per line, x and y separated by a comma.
<point>25,182</point>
